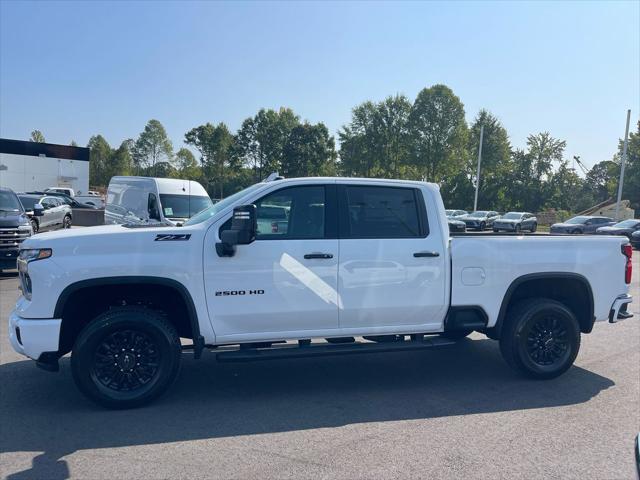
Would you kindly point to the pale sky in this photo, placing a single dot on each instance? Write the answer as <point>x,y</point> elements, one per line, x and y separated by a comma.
<point>74,69</point>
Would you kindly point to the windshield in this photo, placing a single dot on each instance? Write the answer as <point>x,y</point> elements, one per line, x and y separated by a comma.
<point>9,202</point>
<point>627,224</point>
<point>577,220</point>
<point>183,206</point>
<point>512,216</point>
<point>478,214</point>
<point>29,202</point>
<point>221,205</point>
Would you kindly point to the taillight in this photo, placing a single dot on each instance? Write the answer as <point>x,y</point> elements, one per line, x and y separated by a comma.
<point>627,251</point>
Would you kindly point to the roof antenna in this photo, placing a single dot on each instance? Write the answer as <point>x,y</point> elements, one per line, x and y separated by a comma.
<point>273,177</point>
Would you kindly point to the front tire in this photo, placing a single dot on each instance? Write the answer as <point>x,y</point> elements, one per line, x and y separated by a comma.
<point>534,228</point>
<point>541,338</point>
<point>66,221</point>
<point>34,226</point>
<point>483,226</point>
<point>126,357</point>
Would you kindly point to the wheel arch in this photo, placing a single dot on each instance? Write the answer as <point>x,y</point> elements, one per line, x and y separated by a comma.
<point>568,288</point>
<point>68,293</point>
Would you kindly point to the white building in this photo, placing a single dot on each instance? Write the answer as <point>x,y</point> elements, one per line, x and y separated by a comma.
<point>30,166</point>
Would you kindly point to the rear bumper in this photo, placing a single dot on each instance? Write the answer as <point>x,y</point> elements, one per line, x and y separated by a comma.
<point>32,338</point>
<point>619,309</point>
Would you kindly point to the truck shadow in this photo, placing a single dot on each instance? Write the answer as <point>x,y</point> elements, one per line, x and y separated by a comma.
<point>43,412</point>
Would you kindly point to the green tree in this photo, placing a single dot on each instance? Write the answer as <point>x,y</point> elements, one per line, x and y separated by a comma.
<point>602,180</point>
<point>214,143</point>
<point>543,151</point>
<point>376,141</point>
<point>37,136</point>
<point>261,139</point>
<point>98,161</point>
<point>152,147</point>
<point>496,161</point>
<point>438,132</point>
<point>187,165</point>
<point>631,187</point>
<point>309,151</point>
<point>119,162</point>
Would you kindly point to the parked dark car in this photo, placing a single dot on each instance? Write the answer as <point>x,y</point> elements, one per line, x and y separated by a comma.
<point>72,202</point>
<point>456,225</point>
<point>625,227</point>
<point>516,222</point>
<point>635,240</point>
<point>581,224</point>
<point>46,212</point>
<point>480,220</point>
<point>15,227</point>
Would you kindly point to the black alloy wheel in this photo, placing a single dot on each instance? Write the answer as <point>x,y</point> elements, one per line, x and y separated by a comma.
<point>126,357</point>
<point>547,341</point>
<point>540,338</point>
<point>126,360</point>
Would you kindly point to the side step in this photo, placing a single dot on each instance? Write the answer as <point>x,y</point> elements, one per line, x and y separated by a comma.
<point>316,350</point>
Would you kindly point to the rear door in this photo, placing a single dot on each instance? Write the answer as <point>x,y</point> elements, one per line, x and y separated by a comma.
<point>392,268</point>
<point>286,280</point>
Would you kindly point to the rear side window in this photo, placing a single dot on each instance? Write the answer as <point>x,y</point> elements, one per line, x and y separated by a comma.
<point>383,212</point>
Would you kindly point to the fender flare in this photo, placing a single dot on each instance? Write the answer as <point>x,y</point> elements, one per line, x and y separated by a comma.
<point>198,339</point>
<point>541,276</point>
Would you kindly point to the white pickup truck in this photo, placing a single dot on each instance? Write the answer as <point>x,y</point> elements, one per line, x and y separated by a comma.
<point>361,266</point>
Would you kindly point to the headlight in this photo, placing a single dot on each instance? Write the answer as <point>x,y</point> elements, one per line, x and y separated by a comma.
<point>25,257</point>
<point>31,254</point>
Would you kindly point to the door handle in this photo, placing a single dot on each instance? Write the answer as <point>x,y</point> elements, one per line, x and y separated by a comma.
<point>318,255</point>
<point>426,254</point>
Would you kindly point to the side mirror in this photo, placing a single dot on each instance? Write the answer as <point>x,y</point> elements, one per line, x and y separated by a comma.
<point>38,210</point>
<point>244,226</point>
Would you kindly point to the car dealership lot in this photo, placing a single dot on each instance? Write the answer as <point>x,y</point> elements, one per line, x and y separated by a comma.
<point>455,412</point>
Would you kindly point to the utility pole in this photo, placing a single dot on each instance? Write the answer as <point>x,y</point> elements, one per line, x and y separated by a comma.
<point>624,160</point>
<point>475,201</point>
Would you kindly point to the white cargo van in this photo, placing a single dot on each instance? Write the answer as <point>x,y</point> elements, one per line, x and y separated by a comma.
<point>143,200</point>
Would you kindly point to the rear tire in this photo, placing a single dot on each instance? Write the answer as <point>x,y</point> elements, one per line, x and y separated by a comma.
<point>126,357</point>
<point>576,232</point>
<point>540,339</point>
<point>534,228</point>
<point>483,226</point>
<point>66,221</point>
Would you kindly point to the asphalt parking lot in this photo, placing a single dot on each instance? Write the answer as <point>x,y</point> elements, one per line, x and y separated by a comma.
<point>458,412</point>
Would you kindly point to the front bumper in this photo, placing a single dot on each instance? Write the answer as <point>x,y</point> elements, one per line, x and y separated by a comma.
<point>619,309</point>
<point>34,337</point>
<point>504,226</point>
<point>8,258</point>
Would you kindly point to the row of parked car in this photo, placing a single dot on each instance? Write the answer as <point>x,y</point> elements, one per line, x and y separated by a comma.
<point>24,214</point>
<point>461,220</point>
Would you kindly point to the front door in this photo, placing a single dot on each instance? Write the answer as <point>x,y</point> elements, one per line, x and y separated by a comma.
<point>392,269</point>
<point>286,280</point>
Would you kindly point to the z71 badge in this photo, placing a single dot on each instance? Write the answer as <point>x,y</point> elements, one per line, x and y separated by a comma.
<point>172,237</point>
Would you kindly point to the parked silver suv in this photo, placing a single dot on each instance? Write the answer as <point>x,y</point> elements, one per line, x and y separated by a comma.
<point>46,212</point>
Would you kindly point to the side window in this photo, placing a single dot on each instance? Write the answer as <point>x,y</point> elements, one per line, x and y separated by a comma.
<point>152,207</point>
<point>383,212</point>
<point>48,202</point>
<point>292,213</point>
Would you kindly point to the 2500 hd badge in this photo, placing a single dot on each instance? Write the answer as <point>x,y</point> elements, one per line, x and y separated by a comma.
<point>225,293</point>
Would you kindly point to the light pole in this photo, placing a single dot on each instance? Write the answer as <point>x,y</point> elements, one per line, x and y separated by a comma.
<point>475,201</point>
<point>623,161</point>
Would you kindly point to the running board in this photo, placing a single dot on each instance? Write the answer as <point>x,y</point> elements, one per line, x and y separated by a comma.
<point>316,350</point>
